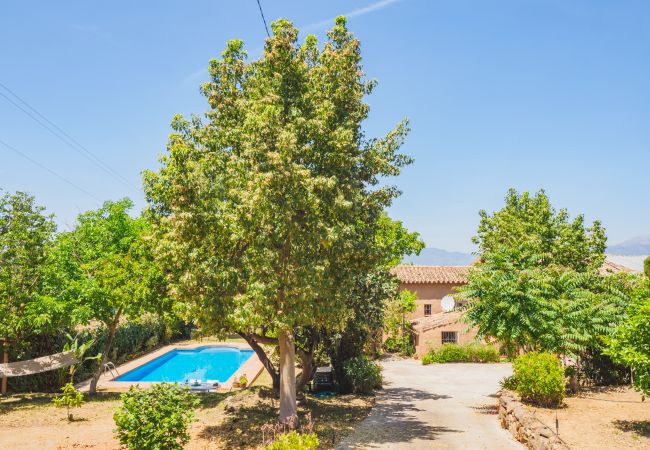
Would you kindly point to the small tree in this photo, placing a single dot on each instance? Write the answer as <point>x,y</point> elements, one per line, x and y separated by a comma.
<point>396,326</point>
<point>79,350</point>
<point>69,398</point>
<point>646,267</point>
<point>155,418</point>
<point>630,344</point>
<point>107,271</point>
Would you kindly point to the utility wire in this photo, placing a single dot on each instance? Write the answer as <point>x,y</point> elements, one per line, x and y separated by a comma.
<point>263,19</point>
<point>44,167</point>
<point>64,137</point>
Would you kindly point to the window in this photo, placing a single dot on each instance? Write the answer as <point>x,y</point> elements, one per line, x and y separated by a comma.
<point>427,309</point>
<point>450,337</point>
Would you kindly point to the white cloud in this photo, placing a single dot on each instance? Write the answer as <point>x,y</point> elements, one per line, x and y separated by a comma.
<point>354,13</point>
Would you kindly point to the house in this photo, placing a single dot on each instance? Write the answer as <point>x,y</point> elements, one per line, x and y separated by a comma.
<point>436,320</point>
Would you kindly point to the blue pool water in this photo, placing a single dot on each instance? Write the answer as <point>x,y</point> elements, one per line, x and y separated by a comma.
<point>180,365</point>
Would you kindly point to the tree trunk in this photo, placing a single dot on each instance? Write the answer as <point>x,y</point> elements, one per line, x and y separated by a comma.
<point>288,407</point>
<point>266,361</point>
<point>107,347</point>
<point>308,368</point>
<point>5,360</point>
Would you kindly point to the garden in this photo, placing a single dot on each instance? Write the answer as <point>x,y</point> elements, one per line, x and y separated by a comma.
<point>265,220</point>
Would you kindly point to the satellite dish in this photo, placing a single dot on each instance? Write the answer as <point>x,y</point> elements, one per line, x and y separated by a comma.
<point>447,303</point>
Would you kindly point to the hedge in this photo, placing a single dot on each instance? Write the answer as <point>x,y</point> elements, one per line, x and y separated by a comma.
<point>132,339</point>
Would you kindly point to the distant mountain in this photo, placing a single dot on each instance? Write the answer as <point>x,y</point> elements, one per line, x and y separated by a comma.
<point>438,257</point>
<point>637,246</point>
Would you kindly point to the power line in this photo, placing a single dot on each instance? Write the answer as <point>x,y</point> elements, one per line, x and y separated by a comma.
<point>64,137</point>
<point>263,19</point>
<point>44,167</point>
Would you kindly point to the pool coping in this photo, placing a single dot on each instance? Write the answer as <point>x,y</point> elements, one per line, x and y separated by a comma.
<point>252,368</point>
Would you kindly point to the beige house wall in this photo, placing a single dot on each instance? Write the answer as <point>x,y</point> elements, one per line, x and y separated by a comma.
<point>432,293</point>
<point>433,337</point>
<point>428,293</point>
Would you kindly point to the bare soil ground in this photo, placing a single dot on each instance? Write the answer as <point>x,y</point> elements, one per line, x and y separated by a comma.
<point>224,420</point>
<point>602,418</point>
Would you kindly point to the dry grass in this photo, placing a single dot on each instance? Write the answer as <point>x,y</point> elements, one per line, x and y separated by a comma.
<point>232,420</point>
<point>602,418</point>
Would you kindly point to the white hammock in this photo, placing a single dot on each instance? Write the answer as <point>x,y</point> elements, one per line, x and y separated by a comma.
<point>37,365</point>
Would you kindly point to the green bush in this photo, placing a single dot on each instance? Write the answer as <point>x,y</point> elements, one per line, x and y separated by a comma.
<point>461,353</point>
<point>483,353</point>
<point>364,375</point>
<point>294,441</point>
<point>156,418</point>
<point>539,378</point>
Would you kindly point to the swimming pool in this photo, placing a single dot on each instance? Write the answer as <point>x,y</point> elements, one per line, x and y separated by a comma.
<point>180,365</point>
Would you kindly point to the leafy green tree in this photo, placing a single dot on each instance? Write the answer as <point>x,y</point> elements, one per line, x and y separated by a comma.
<point>536,285</point>
<point>269,210</point>
<point>397,328</point>
<point>25,236</point>
<point>531,233</point>
<point>106,268</point>
<point>646,267</point>
<point>630,344</point>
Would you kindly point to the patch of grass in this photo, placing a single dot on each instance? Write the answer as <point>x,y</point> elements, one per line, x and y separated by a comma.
<point>27,401</point>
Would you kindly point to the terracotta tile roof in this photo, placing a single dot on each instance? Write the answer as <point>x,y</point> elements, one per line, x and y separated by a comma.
<point>609,268</point>
<point>431,274</point>
<point>422,324</point>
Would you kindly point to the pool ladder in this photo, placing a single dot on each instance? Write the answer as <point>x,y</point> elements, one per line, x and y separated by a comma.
<point>110,367</point>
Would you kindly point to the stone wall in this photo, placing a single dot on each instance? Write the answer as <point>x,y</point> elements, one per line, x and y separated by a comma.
<point>516,418</point>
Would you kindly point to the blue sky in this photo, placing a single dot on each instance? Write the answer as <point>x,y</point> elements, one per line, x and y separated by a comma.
<point>530,94</point>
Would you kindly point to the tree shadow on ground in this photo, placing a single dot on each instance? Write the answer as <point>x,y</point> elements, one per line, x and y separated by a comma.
<point>392,421</point>
<point>640,427</point>
<point>24,401</point>
<point>246,414</point>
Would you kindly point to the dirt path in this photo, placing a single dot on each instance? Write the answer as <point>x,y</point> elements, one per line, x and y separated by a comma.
<point>450,406</point>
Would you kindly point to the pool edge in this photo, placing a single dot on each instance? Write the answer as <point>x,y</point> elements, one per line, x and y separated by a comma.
<point>253,367</point>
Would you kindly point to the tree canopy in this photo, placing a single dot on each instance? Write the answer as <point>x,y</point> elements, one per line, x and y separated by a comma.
<point>106,269</point>
<point>26,234</point>
<point>269,209</point>
<point>630,344</point>
<point>537,285</point>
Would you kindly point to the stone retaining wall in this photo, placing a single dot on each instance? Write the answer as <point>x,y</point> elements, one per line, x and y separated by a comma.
<point>524,426</point>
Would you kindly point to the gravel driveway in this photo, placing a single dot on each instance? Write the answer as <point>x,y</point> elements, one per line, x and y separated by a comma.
<point>450,406</point>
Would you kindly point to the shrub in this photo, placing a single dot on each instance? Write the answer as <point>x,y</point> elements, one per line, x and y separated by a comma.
<point>156,418</point>
<point>461,353</point>
<point>294,441</point>
<point>429,358</point>
<point>70,398</point>
<point>539,378</point>
<point>364,375</point>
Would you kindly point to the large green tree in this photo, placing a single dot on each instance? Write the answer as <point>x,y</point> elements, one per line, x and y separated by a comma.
<point>25,235</point>
<point>106,270</point>
<point>536,285</point>
<point>268,210</point>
